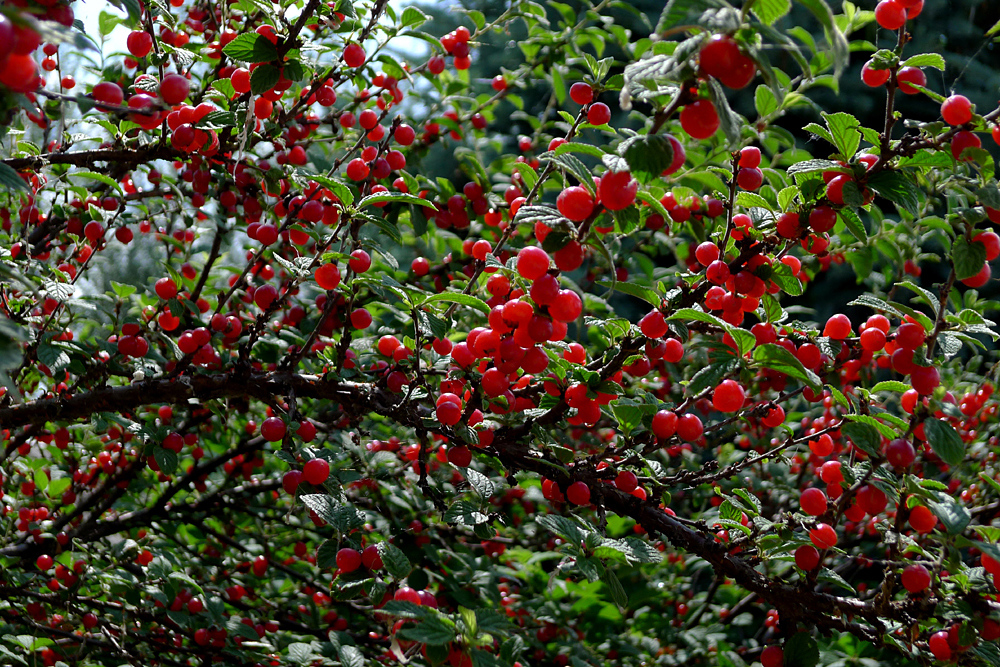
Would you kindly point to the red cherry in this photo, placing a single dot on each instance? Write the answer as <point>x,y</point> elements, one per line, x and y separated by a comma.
<point>910,75</point>
<point>578,493</point>
<point>823,536</point>
<point>139,43</point>
<point>838,327</point>
<point>165,288</point>
<point>316,471</point>
<point>890,14</point>
<point>273,429</point>
<point>874,77</point>
<point>729,396</point>
<point>371,558</point>
<point>348,560</point>
<point>749,178</point>
<point>532,262</point>
<point>915,578</point>
<point>575,203</point>
<point>653,324</point>
<point>922,519</point>
<point>964,139</point>
<point>689,427</point>
<point>925,379</point>
<point>626,481</point>
<point>581,93</point>
<point>772,656</point>
<point>700,119</point>
<point>956,110</point>
<point>938,645</point>
<point>617,190</point>
<point>821,219</point>
<point>598,114</point>
<point>980,278</point>
<point>460,456</point>
<point>813,501</point>
<point>44,562</point>
<point>19,73</point>
<point>664,424</point>
<point>718,56</point>
<point>807,557</point>
<point>354,55</point>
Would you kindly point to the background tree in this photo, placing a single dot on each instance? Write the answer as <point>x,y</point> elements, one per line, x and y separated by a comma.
<point>610,334</point>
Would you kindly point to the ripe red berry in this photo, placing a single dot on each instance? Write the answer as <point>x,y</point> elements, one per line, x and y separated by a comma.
<point>822,219</point>
<point>925,379</point>
<point>617,190</point>
<point>718,56</point>
<point>328,276</point>
<point>915,578</point>
<point>165,288</point>
<point>938,645</point>
<point>43,562</point>
<point>689,427</point>
<point>532,262</point>
<point>772,656</point>
<point>354,55</point>
<point>273,429</point>
<point>598,114</point>
<point>956,110</point>
<point>174,89</point>
<point>371,558</point>
<point>664,424</point>
<point>807,557</point>
<point>729,396</point>
<point>348,560</point>
<point>964,139</point>
<point>749,178</point>
<point>922,519</point>
<point>139,43</point>
<point>910,75</point>
<point>890,14</point>
<point>581,93</point>
<point>575,203</point>
<point>838,327</point>
<point>626,481</point>
<point>653,324</point>
<point>290,481</point>
<point>700,119</point>
<point>900,453</point>
<point>750,157</point>
<point>813,501</point>
<point>823,536</point>
<point>460,456</point>
<point>316,471</point>
<point>578,493</point>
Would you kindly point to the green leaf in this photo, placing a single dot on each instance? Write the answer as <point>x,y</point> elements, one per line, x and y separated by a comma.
<point>935,60</point>
<point>897,188</point>
<point>648,155</point>
<point>433,630</point>
<point>954,516</point>
<point>945,442</point>
<point>11,180</point>
<point>395,561</point>
<point>251,48</point>
<point>968,258</point>
<point>618,594</point>
<point>483,485</point>
<point>782,276</point>
<point>326,555</point>
<point>779,359</point>
<point>106,180</point>
<point>632,289</point>
<point>573,165</point>
<point>342,517</point>
<point>764,101</point>
<point>769,11</point>
<point>864,436</point>
<point>166,460</point>
<point>264,78</point>
<point>806,166</point>
<point>838,42</point>
<point>730,122</point>
<point>891,385</point>
<point>845,133</point>
<point>853,224</point>
<point>752,200</point>
<point>413,18</point>
<point>459,298</point>
<point>801,651</point>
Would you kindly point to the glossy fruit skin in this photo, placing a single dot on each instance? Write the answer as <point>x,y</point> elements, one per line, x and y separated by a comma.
<point>915,578</point>
<point>925,379</point>
<point>273,429</point>
<point>956,110</point>
<point>807,557</point>
<point>718,55</point>
<point>823,536</point>
<point>874,78</point>
<point>964,139</point>
<point>354,55</point>
<point>907,75</point>
<point>689,427</point>
<point>938,645</point>
<point>922,519</point>
<point>700,119</point>
<point>174,89</point>
<point>980,278</point>
<point>578,493</point>
<point>532,262</point>
<point>617,190</point>
<point>900,453</point>
<point>653,324</point>
<point>581,93</point>
<point>598,114</point>
<point>729,396</point>
<point>348,560</point>
<point>19,73</point>
<point>890,14</point>
<point>664,424</point>
<point>316,471</point>
<point>575,203</point>
<point>139,43</point>
<point>838,327</point>
<point>813,501</point>
<point>772,656</point>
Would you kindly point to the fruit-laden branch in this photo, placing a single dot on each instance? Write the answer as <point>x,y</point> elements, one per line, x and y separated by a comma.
<point>511,446</point>
<point>117,156</point>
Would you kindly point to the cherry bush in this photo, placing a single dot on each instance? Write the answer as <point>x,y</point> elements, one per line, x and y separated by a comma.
<point>308,357</point>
